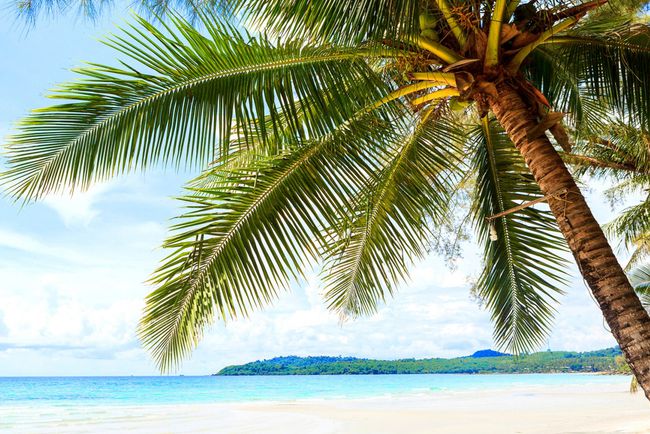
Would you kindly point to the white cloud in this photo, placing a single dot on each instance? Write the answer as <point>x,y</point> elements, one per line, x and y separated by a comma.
<point>26,243</point>
<point>18,241</point>
<point>78,208</point>
<point>49,319</point>
<point>91,315</point>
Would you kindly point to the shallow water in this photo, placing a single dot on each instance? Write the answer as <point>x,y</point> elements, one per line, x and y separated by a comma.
<point>84,391</point>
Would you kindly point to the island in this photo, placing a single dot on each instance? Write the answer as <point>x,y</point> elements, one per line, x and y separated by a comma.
<point>608,360</point>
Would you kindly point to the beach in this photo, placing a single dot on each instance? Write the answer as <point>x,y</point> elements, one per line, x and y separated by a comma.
<point>587,408</point>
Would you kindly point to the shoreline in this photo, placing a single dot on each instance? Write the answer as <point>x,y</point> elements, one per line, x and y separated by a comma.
<point>588,408</point>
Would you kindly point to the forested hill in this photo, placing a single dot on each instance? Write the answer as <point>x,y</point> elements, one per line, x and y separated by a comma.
<point>481,362</point>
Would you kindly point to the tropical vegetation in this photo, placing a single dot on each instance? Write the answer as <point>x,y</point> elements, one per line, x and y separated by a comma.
<point>342,135</point>
<point>605,361</point>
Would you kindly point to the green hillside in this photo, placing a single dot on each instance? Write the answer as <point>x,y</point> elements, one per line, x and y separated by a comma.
<point>481,362</point>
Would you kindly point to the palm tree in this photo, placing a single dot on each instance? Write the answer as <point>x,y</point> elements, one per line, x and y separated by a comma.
<point>337,135</point>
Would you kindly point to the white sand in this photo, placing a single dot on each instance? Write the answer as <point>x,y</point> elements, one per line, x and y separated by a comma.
<point>573,409</point>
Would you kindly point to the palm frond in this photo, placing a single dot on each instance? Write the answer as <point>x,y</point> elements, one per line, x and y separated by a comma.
<point>247,236</point>
<point>632,223</point>
<point>615,150</point>
<point>340,22</point>
<point>641,252</point>
<point>388,229</point>
<point>612,67</point>
<point>523,268</point>
<point>549,73</point>
<point>178,101</point>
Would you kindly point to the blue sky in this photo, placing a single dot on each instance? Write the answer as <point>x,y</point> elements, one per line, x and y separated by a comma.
<point>72,268</point>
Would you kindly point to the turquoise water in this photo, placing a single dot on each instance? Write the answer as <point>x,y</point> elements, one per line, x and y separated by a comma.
<point>82,391</point>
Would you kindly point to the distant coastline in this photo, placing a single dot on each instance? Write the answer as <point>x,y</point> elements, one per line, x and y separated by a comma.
<point>609,361</point>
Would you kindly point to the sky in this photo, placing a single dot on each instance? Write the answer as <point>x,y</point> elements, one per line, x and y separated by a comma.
<point>73,269</point>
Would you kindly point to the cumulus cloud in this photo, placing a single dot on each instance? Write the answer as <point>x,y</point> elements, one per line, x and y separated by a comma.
<point>78,208</point>
<point>92,316</point>
<point>18,241</point>
<point>49,320</point>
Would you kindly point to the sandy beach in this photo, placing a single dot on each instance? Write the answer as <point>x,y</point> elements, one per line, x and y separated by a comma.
<point>571,409</point>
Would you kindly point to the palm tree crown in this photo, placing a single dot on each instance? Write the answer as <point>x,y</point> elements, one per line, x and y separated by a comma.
<point>340,133</point>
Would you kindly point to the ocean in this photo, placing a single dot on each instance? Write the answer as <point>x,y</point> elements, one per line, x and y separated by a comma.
<point>83,391</point>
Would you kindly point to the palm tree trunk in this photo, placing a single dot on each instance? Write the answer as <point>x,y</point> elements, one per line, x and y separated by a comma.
<point>627,319</point>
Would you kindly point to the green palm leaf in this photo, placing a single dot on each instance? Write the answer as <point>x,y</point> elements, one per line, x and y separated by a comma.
<point>249,234</point>
<point>182,108</point>
<point>523,268</point>
<point>616,150</point>
<point>389,227</point>
<point>612,66</point>
<point>633,223</point>
<point>343,22</point>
